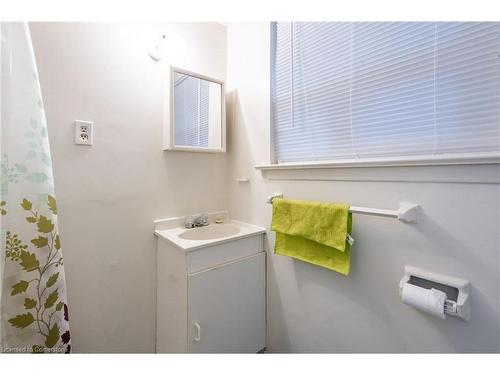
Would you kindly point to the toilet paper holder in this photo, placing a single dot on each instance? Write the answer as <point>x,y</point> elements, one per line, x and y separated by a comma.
<point>457,290</point>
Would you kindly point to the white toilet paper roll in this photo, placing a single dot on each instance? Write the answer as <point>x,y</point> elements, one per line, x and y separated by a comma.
<point>428,300</point>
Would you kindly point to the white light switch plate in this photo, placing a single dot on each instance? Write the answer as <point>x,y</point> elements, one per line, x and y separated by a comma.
<point>84,133</point>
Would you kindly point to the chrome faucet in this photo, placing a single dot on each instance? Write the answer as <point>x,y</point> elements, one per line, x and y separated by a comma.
<point>189,222</point>
<point>196,221</point>
<point>201,220</point>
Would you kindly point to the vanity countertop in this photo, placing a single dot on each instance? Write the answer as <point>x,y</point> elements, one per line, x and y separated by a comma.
<point>173,231</point>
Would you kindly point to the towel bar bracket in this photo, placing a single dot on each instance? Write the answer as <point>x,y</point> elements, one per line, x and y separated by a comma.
<point>407,212</point>
<point>271,197</point>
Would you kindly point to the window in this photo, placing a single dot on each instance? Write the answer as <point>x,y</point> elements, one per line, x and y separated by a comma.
<point>365,90</point>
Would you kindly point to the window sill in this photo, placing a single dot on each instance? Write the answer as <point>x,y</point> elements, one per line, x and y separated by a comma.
<point>462,159</point>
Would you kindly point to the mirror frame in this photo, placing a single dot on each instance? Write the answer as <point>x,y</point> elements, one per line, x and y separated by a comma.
<point>170,145</point>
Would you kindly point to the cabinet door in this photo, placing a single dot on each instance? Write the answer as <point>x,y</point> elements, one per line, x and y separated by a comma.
<point>227,308</point>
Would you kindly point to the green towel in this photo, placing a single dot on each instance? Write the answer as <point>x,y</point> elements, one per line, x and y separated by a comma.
<point>313,232</point>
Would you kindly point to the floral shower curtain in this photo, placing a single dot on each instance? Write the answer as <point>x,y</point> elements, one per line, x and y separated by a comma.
<point>33,309</point>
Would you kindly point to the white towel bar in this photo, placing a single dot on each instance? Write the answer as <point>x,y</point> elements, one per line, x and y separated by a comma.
<point>407,212</point>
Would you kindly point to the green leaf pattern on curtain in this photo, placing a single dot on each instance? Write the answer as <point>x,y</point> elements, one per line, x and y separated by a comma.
<point>33,310</point>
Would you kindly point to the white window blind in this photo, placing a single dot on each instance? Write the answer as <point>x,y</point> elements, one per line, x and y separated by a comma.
<point>191,111</point>
<point>344,90</point>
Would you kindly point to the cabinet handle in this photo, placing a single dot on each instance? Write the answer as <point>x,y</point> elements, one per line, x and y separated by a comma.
<point>197,336</point>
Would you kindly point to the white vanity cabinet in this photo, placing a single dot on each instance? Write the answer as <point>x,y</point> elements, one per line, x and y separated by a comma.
<point>211,299</point>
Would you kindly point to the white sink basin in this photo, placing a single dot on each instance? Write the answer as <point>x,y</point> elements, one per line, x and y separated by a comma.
<point>210,232</point>
<point>172,230</point>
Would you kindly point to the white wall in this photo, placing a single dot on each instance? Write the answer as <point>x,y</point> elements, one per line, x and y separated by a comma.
<point>110,193</point>
<point>311,309</point>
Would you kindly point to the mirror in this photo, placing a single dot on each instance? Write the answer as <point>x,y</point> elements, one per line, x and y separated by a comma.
<point>197,112</point>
